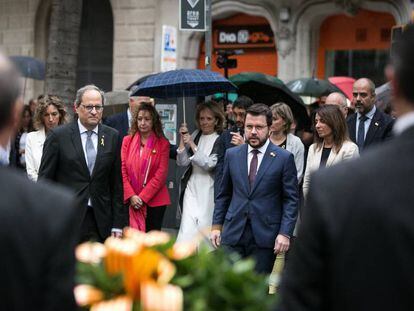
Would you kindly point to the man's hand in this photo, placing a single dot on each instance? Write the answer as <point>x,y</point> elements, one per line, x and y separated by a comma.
<point>215,238</point>
<point>116,234</point>
<point>281,244</point>
<point>236,139</point>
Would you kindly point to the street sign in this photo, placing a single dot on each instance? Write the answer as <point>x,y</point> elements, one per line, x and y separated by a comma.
<point>193,15</point>
<point>169,48</point>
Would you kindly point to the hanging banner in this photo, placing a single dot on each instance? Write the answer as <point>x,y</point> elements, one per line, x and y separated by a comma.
<point>193,15</point>
<point>169,48</point>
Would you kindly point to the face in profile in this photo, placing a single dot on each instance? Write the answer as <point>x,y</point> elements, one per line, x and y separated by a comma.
<point>256,130</point>
<point>278,124</point>
<point>51,117</point>
<point>145,123</point>
<point>322,128</point>
<point>207,121</point>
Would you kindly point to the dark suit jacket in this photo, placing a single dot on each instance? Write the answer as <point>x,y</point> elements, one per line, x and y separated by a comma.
<point>119,122</point>
<point>354,250</point>
<point>223,143</point>
<point>379,130</point>
<point>63,161</point>
<point>271,205</point>
<point>38,238</point>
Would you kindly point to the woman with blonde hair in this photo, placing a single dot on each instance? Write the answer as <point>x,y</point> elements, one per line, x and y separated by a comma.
<point>332,144</point>
<point>50,113</point>
<point>198,153</point>
<point>280,135</point>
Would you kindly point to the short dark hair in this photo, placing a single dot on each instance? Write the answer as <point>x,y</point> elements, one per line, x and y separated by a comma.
<point>261,110</point>
<point>243,102</point>
<point>9,93</point>
<point>156,120</point>
<point>403,63</point>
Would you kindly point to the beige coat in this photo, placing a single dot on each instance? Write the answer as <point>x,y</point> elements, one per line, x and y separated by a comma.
<point>348,151</point>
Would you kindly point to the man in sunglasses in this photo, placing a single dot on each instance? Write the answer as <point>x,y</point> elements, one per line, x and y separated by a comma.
<point>83,156</point>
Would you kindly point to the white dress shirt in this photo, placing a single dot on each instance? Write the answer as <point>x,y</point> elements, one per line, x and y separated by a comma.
<point>5,155</point>
<point>367,123</point>
<point>129,115</point>
<point>84,136</point>
<point>260,155</point>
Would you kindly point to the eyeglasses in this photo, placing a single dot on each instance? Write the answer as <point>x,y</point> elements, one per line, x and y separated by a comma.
<point>258,128</point>
<point>89,108</point>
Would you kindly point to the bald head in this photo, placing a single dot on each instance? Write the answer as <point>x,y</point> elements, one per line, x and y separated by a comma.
<point>363,95</point>
<point>338,99</point>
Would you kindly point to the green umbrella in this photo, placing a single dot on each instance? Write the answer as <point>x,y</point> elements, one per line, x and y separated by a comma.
<point>266,89</point>
<point>312,87</point>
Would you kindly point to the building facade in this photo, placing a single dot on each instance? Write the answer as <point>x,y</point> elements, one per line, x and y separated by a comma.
<point>121,40</point>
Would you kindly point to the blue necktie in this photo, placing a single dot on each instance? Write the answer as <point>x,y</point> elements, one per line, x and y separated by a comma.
<point>90,152</point>
<point>361,132</point>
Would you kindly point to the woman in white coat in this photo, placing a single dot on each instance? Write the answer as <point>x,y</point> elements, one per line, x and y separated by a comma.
<point>198,153</point>
<point>332,144</point>
<point>50,113</point>
<point>280,135</point>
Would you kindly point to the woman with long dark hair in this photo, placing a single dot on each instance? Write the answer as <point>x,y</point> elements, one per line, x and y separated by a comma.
<point>26,127</point>
<point>144,155</point>
<point>332,144</point>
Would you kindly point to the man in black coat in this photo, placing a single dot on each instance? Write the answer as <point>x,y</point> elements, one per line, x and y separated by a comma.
<point>369,125</point>
<point>355,249</point>
<point>38,231</point>
<point>84,156</point>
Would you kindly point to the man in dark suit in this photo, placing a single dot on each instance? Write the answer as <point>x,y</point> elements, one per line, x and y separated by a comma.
<point>369,125</point>
<point>256,208</point>
<point>37,223</point>
<point>84,156</point>
<point>355,249</point>
<point>231,137</point>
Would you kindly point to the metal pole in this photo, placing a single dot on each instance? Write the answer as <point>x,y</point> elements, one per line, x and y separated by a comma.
<point>207,38</point>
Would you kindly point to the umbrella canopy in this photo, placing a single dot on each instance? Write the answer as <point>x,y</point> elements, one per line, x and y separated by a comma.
<point>384,97</point>
<point>266,89</point>
<point>139,81</point>
<point>29,67</point>
<point>184,83</point>
<point>344,83</point>
<point>312,87</point>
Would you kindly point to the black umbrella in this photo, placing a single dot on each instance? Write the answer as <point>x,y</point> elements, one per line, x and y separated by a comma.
<point>266,89</point>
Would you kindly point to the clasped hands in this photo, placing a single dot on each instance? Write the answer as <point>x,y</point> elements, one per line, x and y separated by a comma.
<point>136,202</point>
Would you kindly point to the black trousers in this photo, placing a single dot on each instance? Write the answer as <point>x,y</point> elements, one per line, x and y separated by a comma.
<point>247,247</point>
<point>89,228</point>
<point>155,216</point>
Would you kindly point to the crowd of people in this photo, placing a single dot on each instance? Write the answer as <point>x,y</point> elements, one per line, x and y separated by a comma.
<point>247,182</point>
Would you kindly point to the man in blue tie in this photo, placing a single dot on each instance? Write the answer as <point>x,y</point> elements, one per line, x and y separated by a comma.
<point>84,156</point>
<point>256,208</point>
<point>369,125</point>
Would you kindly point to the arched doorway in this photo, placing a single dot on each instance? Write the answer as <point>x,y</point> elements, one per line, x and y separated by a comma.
<point>258,46</point>
<point>95,56</point>
<point>355,46</point>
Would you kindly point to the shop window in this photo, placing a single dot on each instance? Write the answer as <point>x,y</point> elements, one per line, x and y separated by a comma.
<point>357,64</point>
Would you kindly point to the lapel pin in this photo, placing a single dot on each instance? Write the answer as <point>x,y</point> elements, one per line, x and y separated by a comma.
<point>154,151</point>
<point>272,154</point>
<point>376,123</point>
<point>102,141</point>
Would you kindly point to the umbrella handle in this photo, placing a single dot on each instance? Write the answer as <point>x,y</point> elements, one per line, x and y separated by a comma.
<point>184,118</point>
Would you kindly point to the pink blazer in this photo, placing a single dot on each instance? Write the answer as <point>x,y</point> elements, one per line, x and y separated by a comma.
<point>155,193</point>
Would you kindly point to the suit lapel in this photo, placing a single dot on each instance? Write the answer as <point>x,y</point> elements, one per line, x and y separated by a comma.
<point>125,124</point>
<point>243,168</point>
<point>352,127</point>
<point>77,143</point>
<point>373,127</point>
<point>264,165</point>
<point>331,158</point>
<point>101,146</point>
